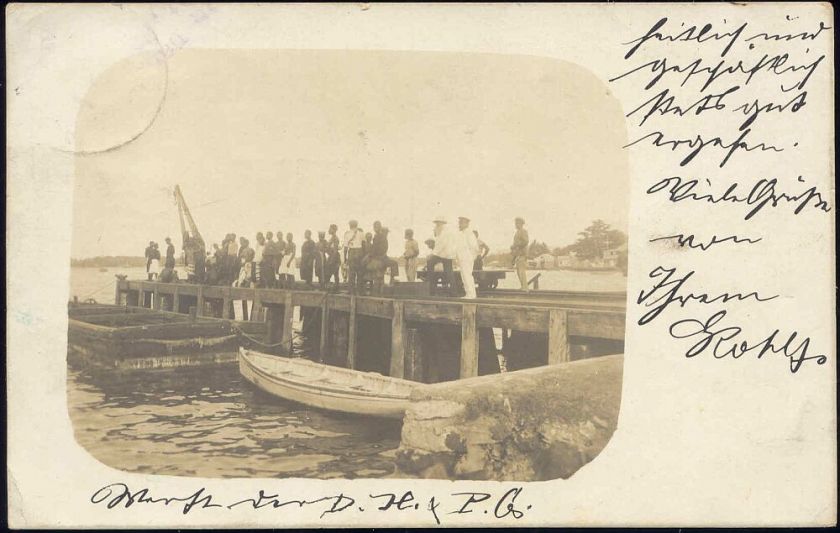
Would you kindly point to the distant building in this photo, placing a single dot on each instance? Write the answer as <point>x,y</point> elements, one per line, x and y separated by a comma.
<point>545,261</point>
<point>565,260</point>
<point>611,256</point>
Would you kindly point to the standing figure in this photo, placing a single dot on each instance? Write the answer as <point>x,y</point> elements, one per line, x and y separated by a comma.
<point>246,263</point>
<point>154,264</point>
<point>256,268</point>
<point>353,253</point>
<point>269,263</point>
<point>288,262</point>
<point>466,250</point>
<point>519,251</point>
<point>483,250</point>
<point>232,259</point>
<point>333,255</point>
<point>412,251</point>
<point>170,254</point>
<point>149,253</point>
<point>280,249</point>
<point>443,253</point>
<point>307,258</point>
<point>321,259</point>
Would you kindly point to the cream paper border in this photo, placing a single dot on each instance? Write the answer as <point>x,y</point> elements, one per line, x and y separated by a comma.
<point>699,442</point>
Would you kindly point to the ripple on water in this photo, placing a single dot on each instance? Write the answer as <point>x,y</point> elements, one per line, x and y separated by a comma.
<point>209,422</point>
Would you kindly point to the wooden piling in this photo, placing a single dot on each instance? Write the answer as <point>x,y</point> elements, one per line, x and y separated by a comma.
<point>398,338</point>
<point>199,301</point>
<point>156,299</point>
<point>325,314</point>
<point>337,343</point>
<point>558,336</point>
<point>117,294</point>
<point>227,305</point>
<point>274,323</point>
<point>469,341</point>
<point>176,301</point>
<point>414,360</point>
<point>288,324</point>
<point>257,308</point>
<point>351,335</point>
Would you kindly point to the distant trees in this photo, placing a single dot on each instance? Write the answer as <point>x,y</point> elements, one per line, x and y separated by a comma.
<point>536,249</point>
<point>596,238</point>
<point>109,261</point>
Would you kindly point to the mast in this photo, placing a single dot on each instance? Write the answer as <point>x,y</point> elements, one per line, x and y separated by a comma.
<point>184,213</point>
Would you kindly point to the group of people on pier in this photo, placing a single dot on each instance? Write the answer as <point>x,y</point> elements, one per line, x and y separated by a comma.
<point>357,258</point>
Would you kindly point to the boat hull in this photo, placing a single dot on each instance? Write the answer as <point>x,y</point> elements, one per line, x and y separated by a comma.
<point>308,391</point>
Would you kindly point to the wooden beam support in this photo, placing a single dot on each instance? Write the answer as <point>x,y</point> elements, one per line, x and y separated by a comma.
<point>257,314</point>
<point>156,296</point>
<point>274,324</point>
<point>469,341</point>
<point>558,336</point>
<point>199,301</point>
<point>288,324</point>
<point>351,335</point>
<point>325,318</point>
<point>398,338</point>
<point>176,301</point>
<point>414,361</point>
<point>227,304</point>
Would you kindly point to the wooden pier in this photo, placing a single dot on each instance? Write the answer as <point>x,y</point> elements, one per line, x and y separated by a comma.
<point>422,335</point>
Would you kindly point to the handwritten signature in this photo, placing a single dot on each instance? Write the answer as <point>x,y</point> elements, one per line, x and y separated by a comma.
<point>723,341</point>
<point>506,505</point>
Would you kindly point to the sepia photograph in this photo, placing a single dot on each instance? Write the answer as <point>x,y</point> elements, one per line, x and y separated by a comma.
<point>347,264</point>
<point>402,265</point>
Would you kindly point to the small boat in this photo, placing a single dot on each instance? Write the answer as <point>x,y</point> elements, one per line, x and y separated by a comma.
<point>103,269</point>
<point>327,387</point>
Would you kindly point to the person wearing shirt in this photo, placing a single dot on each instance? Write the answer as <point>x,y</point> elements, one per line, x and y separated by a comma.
<point>288,261</point>
<point>483,250</point>
<point>444,251</point>
<point>307,258</point>
<point>379,261</point>
<point>333,255</point>
<point>519,251</point>
<point>412,251</point>
<point>246,262</point>
<point>466,249</point>
<point>321,259</point>
<point>233,265</point>
<point>268,266</point>
<point>149,252</point>
<point>256,268</point>
<point>353,242</point>
<point>170,254</point>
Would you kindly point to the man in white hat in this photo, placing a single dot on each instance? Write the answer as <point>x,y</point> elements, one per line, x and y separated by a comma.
<point>444,250</point>
<point>466,250</point>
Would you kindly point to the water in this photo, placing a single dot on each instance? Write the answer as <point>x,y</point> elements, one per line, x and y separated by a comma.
<point>210,422</point>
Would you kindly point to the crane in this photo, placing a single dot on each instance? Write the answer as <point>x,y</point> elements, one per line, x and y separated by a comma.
<point>193,243</point>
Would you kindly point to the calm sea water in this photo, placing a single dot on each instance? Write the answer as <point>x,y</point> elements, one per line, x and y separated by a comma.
<point>210,422</point>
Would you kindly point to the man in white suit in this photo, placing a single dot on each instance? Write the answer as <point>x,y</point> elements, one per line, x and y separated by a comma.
<point>466,250</point>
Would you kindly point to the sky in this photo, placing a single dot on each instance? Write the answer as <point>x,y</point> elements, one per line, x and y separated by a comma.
<point>268,140</point>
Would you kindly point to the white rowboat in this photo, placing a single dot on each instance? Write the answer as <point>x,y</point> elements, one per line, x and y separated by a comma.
<point>326,387</point>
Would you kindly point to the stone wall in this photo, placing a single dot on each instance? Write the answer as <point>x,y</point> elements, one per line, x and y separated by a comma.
<point>529,425</point>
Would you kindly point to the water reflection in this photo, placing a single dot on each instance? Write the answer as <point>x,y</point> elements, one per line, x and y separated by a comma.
<point>210,422</point>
